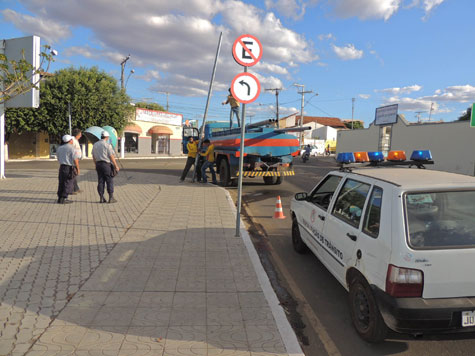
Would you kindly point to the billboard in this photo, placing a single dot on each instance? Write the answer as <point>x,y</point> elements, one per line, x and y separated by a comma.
<point>159,117</point>
<point>386,115</point>
<point>30,48</point>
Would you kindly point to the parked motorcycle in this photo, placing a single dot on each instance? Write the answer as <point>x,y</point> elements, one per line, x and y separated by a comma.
<point>305,157</point>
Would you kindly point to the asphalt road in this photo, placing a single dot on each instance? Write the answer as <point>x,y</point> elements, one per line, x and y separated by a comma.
<point>315,301</point>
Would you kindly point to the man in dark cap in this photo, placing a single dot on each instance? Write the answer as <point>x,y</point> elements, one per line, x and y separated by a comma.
<point>68,169</point>
<point>104,158</point>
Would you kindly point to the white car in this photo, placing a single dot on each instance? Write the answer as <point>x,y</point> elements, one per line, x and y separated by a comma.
<point>400,240</point>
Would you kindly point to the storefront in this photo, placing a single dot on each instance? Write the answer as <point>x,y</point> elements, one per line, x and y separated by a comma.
<point>153,133</point>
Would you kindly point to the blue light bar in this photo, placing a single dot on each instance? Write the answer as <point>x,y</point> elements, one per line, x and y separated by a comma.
<point>421,155</point>
<point>376,156</point>
<point>345,157</point>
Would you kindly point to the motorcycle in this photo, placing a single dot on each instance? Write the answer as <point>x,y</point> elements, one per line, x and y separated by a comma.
<point>305,157</point>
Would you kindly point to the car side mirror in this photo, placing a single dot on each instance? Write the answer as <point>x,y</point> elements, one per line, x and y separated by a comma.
<point>301,196</point>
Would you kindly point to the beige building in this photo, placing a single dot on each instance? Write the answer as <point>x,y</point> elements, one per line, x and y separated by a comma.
<point>452,144</point>
<point>153,133</point>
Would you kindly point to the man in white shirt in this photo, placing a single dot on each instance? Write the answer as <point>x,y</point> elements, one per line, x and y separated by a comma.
<point>78,153</point>
<point>104,158</point>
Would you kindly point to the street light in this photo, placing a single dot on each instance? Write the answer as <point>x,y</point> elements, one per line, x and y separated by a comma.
<point>122,67</point>
<point>132,71</point>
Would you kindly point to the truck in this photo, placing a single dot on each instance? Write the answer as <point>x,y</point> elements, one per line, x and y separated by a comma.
<point>268,151</point>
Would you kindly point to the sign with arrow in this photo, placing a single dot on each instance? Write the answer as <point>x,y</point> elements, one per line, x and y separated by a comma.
<point>247,50</point>
<point>245,88</point>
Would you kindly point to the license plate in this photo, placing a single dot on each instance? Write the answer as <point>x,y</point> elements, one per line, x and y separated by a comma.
<point>468,318</point>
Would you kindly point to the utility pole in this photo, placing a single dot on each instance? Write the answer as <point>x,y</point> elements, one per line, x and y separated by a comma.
<point>418,115</point>
<point>301,107</point>
<point>165,92</point>
<point>250,117</point>
<point>352,111</point>
<point>430,112</point>
<point>122,67</point>
<point>276,90</point>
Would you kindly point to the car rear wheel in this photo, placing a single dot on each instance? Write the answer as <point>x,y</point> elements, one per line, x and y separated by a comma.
<point>297,242</point>
<point>365,313</point>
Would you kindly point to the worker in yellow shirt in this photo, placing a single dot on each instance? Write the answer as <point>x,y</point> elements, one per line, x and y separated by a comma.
<point>231,100</point>
<point>192,148</point>
<point>209,162</point>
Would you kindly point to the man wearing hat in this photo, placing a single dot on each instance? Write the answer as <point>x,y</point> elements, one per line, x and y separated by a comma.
<point>68,161</point>
<point>104,157</point>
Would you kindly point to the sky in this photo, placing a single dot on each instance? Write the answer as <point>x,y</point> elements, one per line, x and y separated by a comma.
<point>415,53</point>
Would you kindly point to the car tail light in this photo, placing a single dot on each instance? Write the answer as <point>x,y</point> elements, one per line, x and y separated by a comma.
<point>404,282</point>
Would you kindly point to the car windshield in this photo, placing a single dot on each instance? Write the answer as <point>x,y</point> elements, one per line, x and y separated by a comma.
<point>441,219</point>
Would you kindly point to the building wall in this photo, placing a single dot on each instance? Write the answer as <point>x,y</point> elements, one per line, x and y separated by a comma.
<point>28,145</point>
<point>452,144</point>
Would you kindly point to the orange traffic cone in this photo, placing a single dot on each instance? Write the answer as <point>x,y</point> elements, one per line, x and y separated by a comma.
<point>278,213</point>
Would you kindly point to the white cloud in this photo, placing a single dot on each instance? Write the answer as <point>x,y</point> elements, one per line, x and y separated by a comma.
<point>149,76</point>
<point>178,38</point>
<point>456,93</point>
<point>328,36</point>
<point>366,9</point>
<point>290,8</point>
<point>364,96</point>
<point>50,31</point>
<point>399,91</point>
<point>418,104</point>
<point>379,9</point>
<point>348,52</point>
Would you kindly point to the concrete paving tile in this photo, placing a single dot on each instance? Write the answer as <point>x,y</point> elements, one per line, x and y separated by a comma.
<point>82,316</point>
<point>225,352</point>
<point>220,285</point>
<point>156,299</point>
<point>222,300</point>
<point>191,285</point>
<point>61,337</point>
<point>224,316</point>
<point>151,317</point>
<point>160,285</point>
<point>231,337</point>
<point>113,316</point>
<point>103,338</point>
<point>188,316</point>
<point>186,337</point>
<point>264,338</point>
<point>189,300</point>
<point>184,352</point>
<point>123,299</point>
<point>145,338</point>
<point>258,316</point>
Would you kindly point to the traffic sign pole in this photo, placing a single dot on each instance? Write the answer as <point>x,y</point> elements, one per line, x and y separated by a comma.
<point>241,164</point>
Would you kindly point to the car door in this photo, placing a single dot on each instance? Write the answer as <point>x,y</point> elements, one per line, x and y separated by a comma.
<point>312,213</point>
<point>342,226</point>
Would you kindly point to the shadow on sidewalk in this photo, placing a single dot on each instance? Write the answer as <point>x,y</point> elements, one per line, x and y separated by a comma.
<point>182,292</point>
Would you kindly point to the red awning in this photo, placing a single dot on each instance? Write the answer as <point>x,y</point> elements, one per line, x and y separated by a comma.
<point>160,130</point>
<point>133,128</point>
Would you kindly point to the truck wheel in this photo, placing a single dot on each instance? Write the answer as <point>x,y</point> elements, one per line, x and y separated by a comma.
<point>269,180</point>
<point>365,313</point>
<point>297,242</point>
<point>279,180</point>
<point>224,173</point>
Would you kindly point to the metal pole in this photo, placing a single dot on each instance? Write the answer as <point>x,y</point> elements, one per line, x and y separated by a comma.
<point>69,114</point>
<point>301,115</point>
<point>352,111</point>
<point>241,164</point>
<point>277,100</point>
<point>2,141</point>
<point>167,101</point>
<point>202,131</point>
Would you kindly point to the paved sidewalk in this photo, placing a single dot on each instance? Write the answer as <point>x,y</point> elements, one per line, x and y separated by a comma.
<point>158,273</point>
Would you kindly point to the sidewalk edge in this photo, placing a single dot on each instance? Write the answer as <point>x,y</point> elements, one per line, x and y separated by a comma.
<point>286,332</point>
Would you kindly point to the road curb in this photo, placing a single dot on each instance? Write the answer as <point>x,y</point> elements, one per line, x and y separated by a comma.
<point>286,332</point>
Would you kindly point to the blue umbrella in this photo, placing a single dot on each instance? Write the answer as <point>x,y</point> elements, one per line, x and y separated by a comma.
<point>93,133</point>
<point>113,135</point>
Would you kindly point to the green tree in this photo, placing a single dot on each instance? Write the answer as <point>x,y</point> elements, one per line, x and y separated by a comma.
<point>356,125</point>
<point>149,106</point>
<point>95,98</point>
<point>16,76</point>
<point>466,115</point>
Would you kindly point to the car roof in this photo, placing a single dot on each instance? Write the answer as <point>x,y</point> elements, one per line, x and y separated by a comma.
<point>414,178</point>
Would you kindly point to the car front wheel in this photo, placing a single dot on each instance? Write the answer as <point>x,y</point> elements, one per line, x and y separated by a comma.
<point>365,313</point>
<point>297,242</point>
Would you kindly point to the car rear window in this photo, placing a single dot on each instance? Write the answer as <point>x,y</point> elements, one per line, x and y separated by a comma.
<point>441,219</point>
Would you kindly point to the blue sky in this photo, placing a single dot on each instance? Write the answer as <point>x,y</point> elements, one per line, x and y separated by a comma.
<point>417,53</point>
